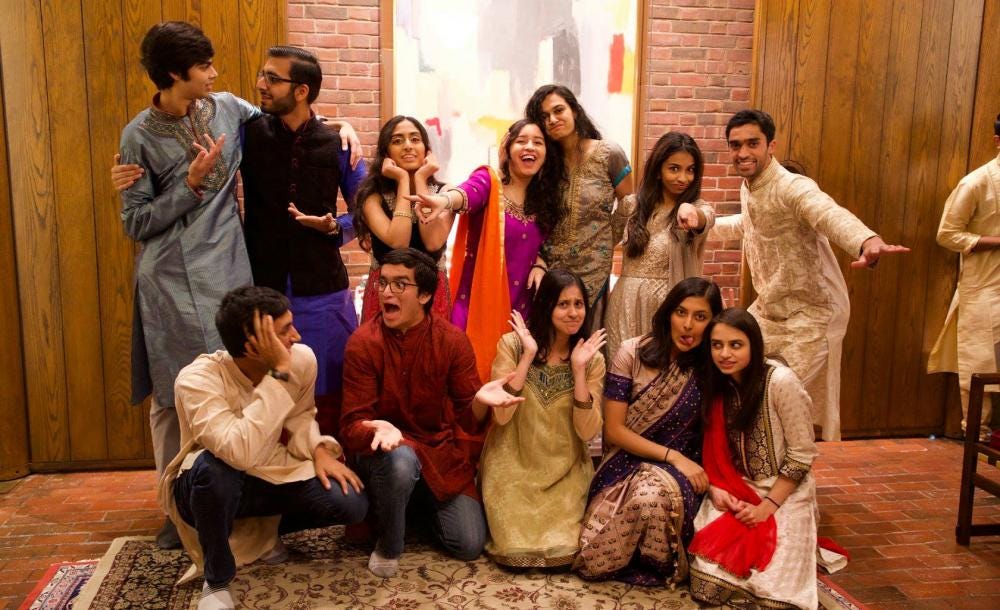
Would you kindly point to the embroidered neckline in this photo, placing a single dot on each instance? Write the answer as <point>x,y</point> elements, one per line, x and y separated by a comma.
<point>515,210</point>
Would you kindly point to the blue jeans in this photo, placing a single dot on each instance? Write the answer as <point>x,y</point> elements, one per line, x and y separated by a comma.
<point>213,494</point>
<point>393,483</point>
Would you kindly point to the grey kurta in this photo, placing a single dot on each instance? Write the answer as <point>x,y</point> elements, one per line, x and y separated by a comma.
<point>192,249</point>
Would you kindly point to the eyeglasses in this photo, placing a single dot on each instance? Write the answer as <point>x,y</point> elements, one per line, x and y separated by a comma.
<point>395,286</point>
<point>271,79</point>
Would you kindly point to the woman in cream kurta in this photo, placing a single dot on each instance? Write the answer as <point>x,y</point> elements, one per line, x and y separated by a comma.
<point>535,466</point>
<point>664,237</point>
<point>970,340</point>
<point>755,535</point>
<point>802,303</point>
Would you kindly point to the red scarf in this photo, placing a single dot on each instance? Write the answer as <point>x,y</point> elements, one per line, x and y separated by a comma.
<point>735,547</point>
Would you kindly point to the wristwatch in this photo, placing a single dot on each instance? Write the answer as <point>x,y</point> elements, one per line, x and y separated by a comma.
<point>279,375</point>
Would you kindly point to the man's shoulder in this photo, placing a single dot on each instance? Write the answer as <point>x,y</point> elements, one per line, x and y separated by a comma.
<point>210,365</point>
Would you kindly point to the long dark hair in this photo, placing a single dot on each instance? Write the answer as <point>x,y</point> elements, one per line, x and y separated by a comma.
<point>742,400</point>
<point>543,198</point>
<point>655,349</point>
<point>375,182</point>
<point>540,319</point>
<point>651,188</point>
<point>582,124</point>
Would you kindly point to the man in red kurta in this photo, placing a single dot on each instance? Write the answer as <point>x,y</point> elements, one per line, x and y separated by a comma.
<point>410,391</point>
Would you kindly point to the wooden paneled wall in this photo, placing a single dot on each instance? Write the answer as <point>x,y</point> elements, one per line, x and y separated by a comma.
<point>71,81</point>
<point>878,100</point>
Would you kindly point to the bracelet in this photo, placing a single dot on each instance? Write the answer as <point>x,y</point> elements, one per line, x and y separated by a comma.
<point>510,390</point>
<point>542,267</point>
<point>771,500</point>
<point>666,455</point>
<point>579,404</point>
<point>404,213</point>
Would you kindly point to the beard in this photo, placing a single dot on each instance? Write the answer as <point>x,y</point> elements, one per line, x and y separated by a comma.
<point>279,105</point>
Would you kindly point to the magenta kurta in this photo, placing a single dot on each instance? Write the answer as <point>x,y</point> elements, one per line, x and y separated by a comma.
<point>522,240</point>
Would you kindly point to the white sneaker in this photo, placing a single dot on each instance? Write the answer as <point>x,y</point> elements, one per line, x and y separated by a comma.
<point>216,599</point>
<point>382,567</point>
<point>277,554</point>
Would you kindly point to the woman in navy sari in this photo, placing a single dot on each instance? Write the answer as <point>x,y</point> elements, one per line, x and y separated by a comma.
<point>648,486</point>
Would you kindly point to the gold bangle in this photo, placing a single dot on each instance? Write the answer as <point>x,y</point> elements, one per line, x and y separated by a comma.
<point>579,404</point>
<point>408,213</point>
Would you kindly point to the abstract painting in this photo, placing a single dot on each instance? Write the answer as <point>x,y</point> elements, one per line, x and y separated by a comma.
<point>466,68</point>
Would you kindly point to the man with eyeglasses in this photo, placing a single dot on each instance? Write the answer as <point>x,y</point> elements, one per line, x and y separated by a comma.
<point>178,183</point>
<point>411,394</point>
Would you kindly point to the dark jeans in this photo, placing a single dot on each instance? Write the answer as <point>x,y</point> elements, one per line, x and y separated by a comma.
<point>393,483</point>
<point>213,494</point>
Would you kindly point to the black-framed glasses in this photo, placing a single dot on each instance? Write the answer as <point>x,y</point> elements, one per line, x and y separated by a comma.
<point>271,78</point>
<point>395,286</point>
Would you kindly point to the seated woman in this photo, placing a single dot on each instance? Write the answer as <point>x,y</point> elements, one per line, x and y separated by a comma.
<point>384,219</point>
<point>665,236</point>
<point>648,486</point>
<point>514,209</point>
<point>756,530</point>
<point>535,466</point>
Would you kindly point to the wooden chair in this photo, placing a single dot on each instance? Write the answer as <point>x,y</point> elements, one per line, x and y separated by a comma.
<point>970,478</point>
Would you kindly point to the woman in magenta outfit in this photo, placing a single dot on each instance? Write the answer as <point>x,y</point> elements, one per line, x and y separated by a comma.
<point>512,211</point>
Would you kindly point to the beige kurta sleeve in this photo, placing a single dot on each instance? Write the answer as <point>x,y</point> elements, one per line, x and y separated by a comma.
<point>242,440</point>
<point>788,399</point>
<point>959,209</point>
<point>304,435</point>
<point>588,421</point>
<point>619,219</point>
<point>727,228</point>
<point>508,353</point>
<point>824,215</point>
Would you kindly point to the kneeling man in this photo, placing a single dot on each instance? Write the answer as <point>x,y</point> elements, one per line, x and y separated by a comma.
<point>235,485</point>
<point>411,394</point>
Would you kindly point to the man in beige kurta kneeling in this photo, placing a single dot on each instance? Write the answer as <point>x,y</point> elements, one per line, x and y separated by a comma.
<point>970,340</point>
<point>236,485</point>
<point>786,225</point>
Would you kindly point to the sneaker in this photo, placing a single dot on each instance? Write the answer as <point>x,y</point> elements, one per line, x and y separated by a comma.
<point>216,598</point>
<point>277,554</point>
<point>382,567</point>
<point>167,538</point>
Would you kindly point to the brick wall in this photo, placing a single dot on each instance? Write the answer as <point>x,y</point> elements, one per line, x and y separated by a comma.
<point>699,59</point>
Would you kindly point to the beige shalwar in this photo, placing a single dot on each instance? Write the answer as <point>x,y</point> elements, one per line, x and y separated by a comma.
<point>802,305</point>
<point>970,340</point>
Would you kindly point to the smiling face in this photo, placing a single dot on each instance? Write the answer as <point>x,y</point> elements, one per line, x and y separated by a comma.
<point>688,322</point>
<point>200,78</point>
<point>749,150</point>
<point>526,151</point>
<point>677,173</point>
<point>569,313</point>
<point>404,309</point>
<point>558,117</point>
<point>278,98</point>
<point>730,350</point>
<point>407,147</point>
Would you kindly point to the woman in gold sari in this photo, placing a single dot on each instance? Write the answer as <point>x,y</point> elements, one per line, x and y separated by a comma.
<point>647,488</point>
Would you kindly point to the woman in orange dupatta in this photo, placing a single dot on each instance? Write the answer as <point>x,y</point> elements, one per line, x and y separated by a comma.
<point>505,218</point>
<point>755,539</point>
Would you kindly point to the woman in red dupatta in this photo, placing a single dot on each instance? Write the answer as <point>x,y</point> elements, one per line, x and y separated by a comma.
<point>647,489</point>
<point>755,538</point>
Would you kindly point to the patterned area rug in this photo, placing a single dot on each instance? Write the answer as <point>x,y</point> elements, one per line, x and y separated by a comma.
<point>323,572</point>
<point>59,586</point>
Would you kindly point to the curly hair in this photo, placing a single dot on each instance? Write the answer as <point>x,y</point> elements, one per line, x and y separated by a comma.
<point>543,198</point>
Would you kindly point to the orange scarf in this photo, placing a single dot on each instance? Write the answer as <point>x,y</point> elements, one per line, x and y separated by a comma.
<point>489,296</point>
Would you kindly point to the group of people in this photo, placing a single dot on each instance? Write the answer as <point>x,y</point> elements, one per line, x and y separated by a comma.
<point>468,401</point>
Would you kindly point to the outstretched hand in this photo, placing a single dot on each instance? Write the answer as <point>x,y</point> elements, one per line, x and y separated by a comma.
<point>528,344</point>
<point>387,437</point>
<point>492,394</point>
<point>872,249</point>
<point>688,217</point>
<point>326,224</point>
<point>429,207</point>
<point>205,160</point>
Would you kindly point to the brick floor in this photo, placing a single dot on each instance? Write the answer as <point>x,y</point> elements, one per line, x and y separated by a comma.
<point>891,503</point>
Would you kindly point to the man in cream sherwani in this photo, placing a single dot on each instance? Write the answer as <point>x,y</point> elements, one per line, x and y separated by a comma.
<point>970,225</point>
<point>786,225</point>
